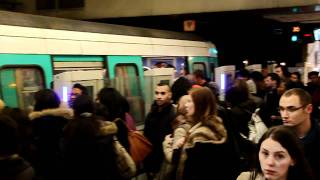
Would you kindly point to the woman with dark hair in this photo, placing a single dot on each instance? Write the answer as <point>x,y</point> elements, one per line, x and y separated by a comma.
<point>88,149</point>
<point>113,106</point>
<point>280,157</point>
<point>179,88</point>
<point>48,121</point>
<point>83,105</point>
<point>205,142</point>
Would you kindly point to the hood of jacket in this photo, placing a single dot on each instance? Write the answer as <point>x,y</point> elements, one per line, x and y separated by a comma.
<point>59,112</point>
<point>199,134</point>
<point>203,134</point>
<point>107,128</point>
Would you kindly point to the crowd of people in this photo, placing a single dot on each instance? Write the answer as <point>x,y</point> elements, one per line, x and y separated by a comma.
<point>193,134</point>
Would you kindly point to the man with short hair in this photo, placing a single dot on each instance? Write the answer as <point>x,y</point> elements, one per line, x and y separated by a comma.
<point>269,109</point>
<point>77,90</point>
<point>295,107</point>
<point>157,126</point>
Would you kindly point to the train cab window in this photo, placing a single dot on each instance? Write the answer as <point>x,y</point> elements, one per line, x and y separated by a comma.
<point>128,84</point>
<point>18,85</point>
<point>199,66</point>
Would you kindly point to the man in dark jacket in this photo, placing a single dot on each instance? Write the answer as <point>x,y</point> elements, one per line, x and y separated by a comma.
<point>157,126</point>
<point>295,108</point>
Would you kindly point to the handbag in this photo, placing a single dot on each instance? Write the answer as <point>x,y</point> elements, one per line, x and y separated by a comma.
<point>140,146</point>
<point>256,127</point>
<point>126,165</point>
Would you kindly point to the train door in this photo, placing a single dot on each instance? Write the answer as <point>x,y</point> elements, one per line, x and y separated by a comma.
<point>85,70</point>
<point>125,73</point>
<point>23,75</point>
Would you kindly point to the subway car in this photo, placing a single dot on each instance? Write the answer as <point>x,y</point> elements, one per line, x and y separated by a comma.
<point>39,52</point>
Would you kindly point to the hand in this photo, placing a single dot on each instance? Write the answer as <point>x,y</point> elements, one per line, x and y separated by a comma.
<point>179,143</point>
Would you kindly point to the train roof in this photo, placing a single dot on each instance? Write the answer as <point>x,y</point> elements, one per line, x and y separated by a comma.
<point>36,21</point>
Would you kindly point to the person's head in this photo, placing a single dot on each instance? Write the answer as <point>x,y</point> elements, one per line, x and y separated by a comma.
<point>8,136</point>
<point>282,71</point>
<point>243,74</point>
<point>313,76</point>
<point>281,156</point>
<point>202,104</point>
<point>46,99</point>
<point>199,76</point>
<point>83,104</point>
<point>202,107</point>
<point>77,90</point>
<point>179,88</point>
<point>256,76</point>
<point>295,77</point>
<point>238,93</point>
<point>184,71</point>
<point>114,102</point>
<point>295,107</point>
<point>161,64</point>
<point>163,94</point>
<point>272,80</point>
<point>181,108</point>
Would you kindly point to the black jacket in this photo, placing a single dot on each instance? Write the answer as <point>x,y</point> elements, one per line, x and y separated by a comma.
<point>157,126</point>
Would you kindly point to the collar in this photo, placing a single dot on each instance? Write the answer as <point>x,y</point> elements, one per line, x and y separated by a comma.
<point>314,133</point>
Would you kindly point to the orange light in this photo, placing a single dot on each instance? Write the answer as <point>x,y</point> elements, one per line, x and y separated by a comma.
<point>296,29</point>
<point>189,25</point>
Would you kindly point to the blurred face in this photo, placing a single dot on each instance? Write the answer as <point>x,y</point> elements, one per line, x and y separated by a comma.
<point>293,77</point>
<point>292,112</point>
<point>274,160</point>
<point>269,82</point>
<point>279,71</point>
<point>314,79</point>
<point>162,95</point>
<point>75,92</point>
<point>182,104</point>
<point>190,107</point>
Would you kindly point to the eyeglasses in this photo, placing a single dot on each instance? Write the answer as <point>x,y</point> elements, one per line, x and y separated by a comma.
<point>290,109</point>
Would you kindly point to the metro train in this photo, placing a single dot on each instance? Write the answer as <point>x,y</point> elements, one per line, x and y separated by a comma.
<point>39,52</point>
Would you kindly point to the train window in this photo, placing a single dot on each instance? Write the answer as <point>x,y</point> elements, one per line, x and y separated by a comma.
<point>199,66</point>
<point>128,84</point>
<point>18,85</point>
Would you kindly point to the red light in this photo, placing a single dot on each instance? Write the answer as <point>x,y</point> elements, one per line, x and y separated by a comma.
<point>307,35</point>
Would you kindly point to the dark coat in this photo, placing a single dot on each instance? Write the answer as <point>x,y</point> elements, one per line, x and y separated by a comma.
<point>90,157</point>
<point>205,155</point>
<point>157,126</point>
<point>241,115</point>
<point>47,128</point>
<point>311,144</point>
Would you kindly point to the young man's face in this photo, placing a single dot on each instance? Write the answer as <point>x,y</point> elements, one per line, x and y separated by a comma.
<point>294,78</point>
<point>269,82</point>
<point>314,79</point>
<point>293,113</point>
<point>162,95</point>
<point>75,92</point>
<point>278,71</point>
